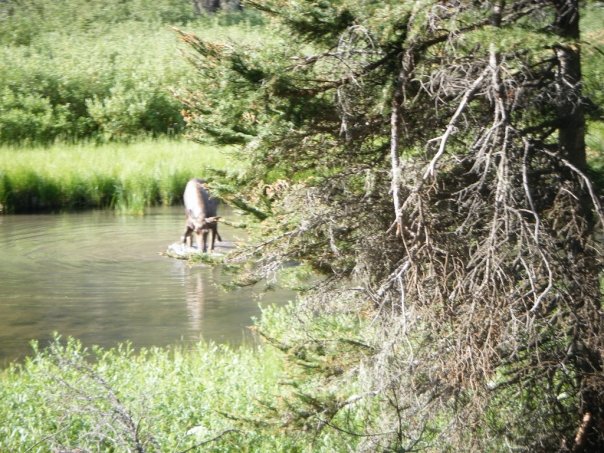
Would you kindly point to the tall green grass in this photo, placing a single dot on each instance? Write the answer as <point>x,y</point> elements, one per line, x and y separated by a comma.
<point>127,177</point>
<point>595,152</point>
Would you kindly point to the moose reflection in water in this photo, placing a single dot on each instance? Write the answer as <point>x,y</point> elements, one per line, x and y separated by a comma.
<point>195,302</point>
<point>201,219</point>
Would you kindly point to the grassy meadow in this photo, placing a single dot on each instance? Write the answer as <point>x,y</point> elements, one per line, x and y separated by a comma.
<point>128,177</point>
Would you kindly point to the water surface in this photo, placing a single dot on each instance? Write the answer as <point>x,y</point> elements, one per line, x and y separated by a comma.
<point>99,277</point>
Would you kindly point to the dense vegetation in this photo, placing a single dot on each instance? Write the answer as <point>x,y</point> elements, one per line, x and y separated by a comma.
<point>76,69</point>
<point>207,398</point>
<point>411,156</point>
<point>76,74</point>
<point>152,400</point>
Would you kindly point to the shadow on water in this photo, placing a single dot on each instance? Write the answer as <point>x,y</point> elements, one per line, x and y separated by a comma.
<point>99,277</point>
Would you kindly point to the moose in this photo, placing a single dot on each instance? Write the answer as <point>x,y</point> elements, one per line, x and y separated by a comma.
<point>201,218</point>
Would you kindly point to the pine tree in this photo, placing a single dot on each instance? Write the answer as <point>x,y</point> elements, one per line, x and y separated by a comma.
<point>427,160</point>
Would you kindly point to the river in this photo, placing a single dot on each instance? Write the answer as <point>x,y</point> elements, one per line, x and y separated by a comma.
<point>99,277</point>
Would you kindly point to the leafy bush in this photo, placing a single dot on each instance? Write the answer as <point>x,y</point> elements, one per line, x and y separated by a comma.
<point>22,22</point>
<point>593,55</point>
<point>68,397</point>
<point>97,70</point>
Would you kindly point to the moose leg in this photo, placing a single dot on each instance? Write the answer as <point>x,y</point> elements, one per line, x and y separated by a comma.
<point>204,235</point>
<point>213,233</point>
<point>186,237</point>
<point>198,240</point>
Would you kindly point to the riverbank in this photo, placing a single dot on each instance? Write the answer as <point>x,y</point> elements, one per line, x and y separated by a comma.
<point>156,400</point>
<point>206,398</point>
<point>127,177</point>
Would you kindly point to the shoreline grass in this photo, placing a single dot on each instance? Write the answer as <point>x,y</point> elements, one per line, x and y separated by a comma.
<point>127,177</point>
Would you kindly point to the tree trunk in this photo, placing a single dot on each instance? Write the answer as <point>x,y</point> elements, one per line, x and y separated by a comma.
<point>395,139</point>
<point>589,436</point>
<point>571,115</point>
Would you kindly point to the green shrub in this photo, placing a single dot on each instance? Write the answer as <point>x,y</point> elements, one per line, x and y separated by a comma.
<point>104,71</point>
<point>592,64</point>
<point>68,397</point>
<point>22,22</point>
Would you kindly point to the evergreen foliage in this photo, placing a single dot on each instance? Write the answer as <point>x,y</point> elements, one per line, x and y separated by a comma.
<point>426,160</point>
